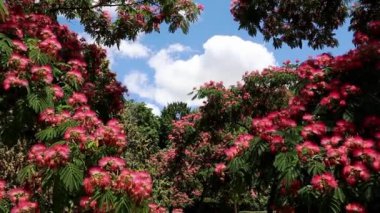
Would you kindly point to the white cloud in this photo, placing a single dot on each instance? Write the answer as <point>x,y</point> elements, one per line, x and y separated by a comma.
<point>155,109</point>
<point>127,49</point>
<point>225,58</point>
<point>130,49</point>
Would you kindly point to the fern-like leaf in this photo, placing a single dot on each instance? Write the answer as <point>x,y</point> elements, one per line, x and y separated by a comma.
<point>26,173</point>
<point>47,134</point>
<point>71,177</point>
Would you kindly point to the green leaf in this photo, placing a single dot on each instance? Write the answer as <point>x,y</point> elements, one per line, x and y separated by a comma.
<point>107,199</point>
<point>123,205</point>
<point>339,195</point>
<point>71,177</point>
<point>4,206</point>
<point>285,160</point>
<point>47,134</point>
<point>3,11</point>
<point>315,167</point>
<point>26,173</point>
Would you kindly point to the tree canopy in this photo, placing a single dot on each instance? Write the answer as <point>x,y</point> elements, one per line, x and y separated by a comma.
<point>131,16</point>
<point>294,21</point>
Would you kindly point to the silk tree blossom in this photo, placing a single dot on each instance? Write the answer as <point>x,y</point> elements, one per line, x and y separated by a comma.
<point>52,157</point>
<point>3,185</point>
<point>77,98</point>
<point>307,150</point>
<point>25,206</point>
<point>112,163</point>
<point>314,129</point>
<point>12,79</point>
<point>97,178</point>
<point>88,203</point>
<point>57,91</point>
<point>75,75</point>
<point>76,134</point>
<point>136,183</point>
<point>358,142</point>
<point>20,46</point>
<point>219,169</point>
<point>355,208</point>
<point>36,154</point>
<point>18,62</point>
<point>51,46</point>
<point>336,156</point>
<point>155,208</point>
<point>355,173</point>
<point>324,182</point>
<point>57,155</point>
<point>18,195</point>
<point>43,73</point>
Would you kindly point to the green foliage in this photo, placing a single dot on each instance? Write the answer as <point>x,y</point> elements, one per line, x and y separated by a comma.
<point>3,11</point>
<point>177,14</point>
<point>168,114</point>
<point>26,173</point>
<point>142,127</point>
<point>71,176</point>
<point>53,132</point>
<point>5,45</point>
<point>35,53</point>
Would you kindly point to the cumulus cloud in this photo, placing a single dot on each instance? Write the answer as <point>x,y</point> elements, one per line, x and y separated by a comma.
<point>225,58</point>
<point>127,49</point>
<point>155,109</point>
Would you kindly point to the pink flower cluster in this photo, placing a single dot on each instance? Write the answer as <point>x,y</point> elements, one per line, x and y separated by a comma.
<point>155,208</point>
<point>19,198</point>
<point>324,182</point>
<point>241,143</point>
<point>111,174</point>
<point>52,157</point>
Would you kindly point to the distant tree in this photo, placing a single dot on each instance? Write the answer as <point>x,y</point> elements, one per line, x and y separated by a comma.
<point>142,127</point>
<point>173,111</point>
<point>133,17</point>
<point>295,21</point>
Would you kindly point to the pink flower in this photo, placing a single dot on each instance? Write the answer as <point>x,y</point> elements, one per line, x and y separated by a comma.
<point>11,79</point>
<point>231,152</point>
<point>3,184</point>
<point>137,183</point>
<point>25,206</point>
<point>44,73</point>
<point>155,208</point>
<point>112,163</point>
<point>18,195</point>
<point>75,75</point>
<point>20,46</point>
<point>242,141</point>
<point>77,134</point>
<point>50,46</point>
<point>354,173</point>
<point>77,98</point>
<point>18,61</point>
<point>324,182</point>
<point>36,154</point>
<point>317,129</point>
<point>177,210</point>
<point>355,208</point>
<point>219,168</point>
<point>307,149</point>
<point>87,203</point>
<point>58,92</point>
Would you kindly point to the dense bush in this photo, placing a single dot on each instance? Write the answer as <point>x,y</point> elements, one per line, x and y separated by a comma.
<point>304,136</point>
<point>58,94</point>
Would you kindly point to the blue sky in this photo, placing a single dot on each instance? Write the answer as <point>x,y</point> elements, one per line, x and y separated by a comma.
<point>160,68</point>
